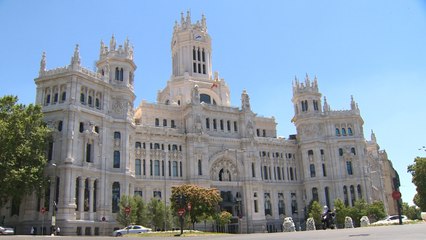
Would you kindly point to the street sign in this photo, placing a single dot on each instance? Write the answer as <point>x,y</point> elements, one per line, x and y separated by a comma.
<point>181,211</point>
<point>189,206</point>
<point>127,210</point>
<point>396,195</point>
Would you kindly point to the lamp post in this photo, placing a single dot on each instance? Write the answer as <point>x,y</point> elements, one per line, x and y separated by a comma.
<point>54,202</point>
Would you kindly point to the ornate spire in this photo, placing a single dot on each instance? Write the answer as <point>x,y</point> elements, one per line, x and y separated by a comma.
<point>373,136</point>
<point>188,18</point>
<point>112,43</point>
<point>307,81</point>
<point>326,108</point>
<point>203,22</point>
<point>75,60</point>
<point>182,19</point>
<point>43,63</point>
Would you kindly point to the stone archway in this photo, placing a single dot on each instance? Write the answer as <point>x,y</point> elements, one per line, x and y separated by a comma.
<point>224,170</point>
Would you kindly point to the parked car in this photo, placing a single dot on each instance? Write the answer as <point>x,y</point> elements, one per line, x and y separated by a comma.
<point>6,231</point>
<point>131,229</point>
<point>391,220</point>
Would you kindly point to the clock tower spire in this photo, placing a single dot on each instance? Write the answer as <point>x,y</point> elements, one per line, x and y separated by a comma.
<point>191,48</point>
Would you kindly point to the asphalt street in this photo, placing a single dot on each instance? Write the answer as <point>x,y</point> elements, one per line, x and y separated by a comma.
<point>394,232</point>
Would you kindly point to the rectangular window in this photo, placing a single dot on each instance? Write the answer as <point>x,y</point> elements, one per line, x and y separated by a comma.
<point>138,193</point>
<point>157,194</point>
<point>256,209</point>
<point>349,167</point>
<point>175,169</point>
<point>157,122</point>
<point>144,167</point>
<point>88,152</point>
<point>172,124</point>
<point>157,168</point>
<point>207,123</point>
<point>200,168</point>
<point>263,133</point>
<point>138,167</point>
<point>324,172</point>
<point>235,126</point>
<point>116,159</point>
<point>195,67</point>
<point>214,124</point>
<point>221,125</point>
<point>164,122</point>
<point>253,170</point>
<point>228,125</point>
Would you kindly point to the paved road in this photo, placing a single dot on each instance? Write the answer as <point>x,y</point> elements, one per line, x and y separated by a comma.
<point>395,232</point>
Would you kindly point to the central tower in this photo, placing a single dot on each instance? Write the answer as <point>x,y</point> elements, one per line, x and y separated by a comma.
<point>191,48</point>
<point>192,66</point>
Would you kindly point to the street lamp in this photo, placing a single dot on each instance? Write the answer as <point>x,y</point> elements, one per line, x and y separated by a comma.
<point>54,198</point>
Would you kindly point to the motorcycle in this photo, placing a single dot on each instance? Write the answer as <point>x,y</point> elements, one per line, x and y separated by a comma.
<point>328,220</point>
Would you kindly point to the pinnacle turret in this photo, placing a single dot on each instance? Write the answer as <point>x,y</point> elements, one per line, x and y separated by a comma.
<point>75,60</point>
<point>125,51</point>
<point>43,63</point>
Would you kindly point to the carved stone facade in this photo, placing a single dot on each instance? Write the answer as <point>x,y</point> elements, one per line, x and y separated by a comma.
<point>103,149</point>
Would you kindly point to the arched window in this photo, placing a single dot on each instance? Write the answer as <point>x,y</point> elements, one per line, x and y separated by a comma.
<point>337,132</point>
<point>82,98</point>
<point>353,197</point>
<point>350,133</point>
<point>63,96</point>
<point>117,74</point>
<point>327,196</point>
<point>353,151</point>
<point>116,163</point>
<point>345,195</point>
<point>121,74</point>
<point>48,99</point>
<point>343,131</point>
<point>115,196</point>
<point>205,98</point>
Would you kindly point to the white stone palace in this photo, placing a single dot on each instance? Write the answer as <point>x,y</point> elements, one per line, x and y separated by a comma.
<point>103,148</point>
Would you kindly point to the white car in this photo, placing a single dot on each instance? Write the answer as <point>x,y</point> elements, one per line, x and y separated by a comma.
<point>131,229</point>
<point>6,231</point>
<point>393,219</point>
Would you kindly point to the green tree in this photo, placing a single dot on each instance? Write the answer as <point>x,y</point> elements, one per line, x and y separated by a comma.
<point>204,201</point>
<point>376,211</point>
<point>359,209</point>
<point>223,218</point>
<point>418,171</point>
<point>122,217</point>
<point>156,213</point>
<point>341,212</point>
<point>23,143</point>
<point>412,212</point>
<point>141,211</point>
<point>315,211</point>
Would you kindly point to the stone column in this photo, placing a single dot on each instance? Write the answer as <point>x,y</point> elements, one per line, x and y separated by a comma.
<point>91,197</point>
<point>81,195</point>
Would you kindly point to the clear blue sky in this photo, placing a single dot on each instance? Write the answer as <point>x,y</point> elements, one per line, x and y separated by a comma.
<point>373,50</point>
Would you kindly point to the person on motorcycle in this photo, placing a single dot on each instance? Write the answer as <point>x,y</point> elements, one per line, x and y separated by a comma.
<point>327,218</point>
